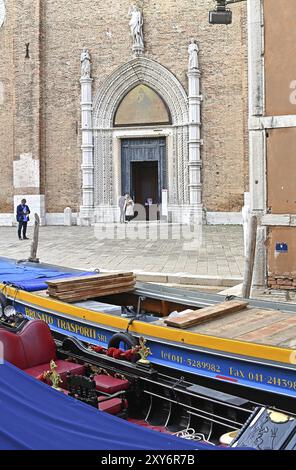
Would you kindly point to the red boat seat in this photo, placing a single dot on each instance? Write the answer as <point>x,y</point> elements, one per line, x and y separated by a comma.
<point>112,406</point>
<point>62,369</point>
<point>38,343</point>
<point>33,348</point>
<point>110,385</point>
<point>13,349</point>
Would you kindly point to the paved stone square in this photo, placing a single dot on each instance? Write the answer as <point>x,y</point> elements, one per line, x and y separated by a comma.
<point>220,254</point>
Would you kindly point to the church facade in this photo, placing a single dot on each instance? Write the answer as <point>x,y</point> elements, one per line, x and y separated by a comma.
<point>99,99</point>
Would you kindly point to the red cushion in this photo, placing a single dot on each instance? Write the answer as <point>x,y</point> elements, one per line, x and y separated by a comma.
<point>38,343</point>
<point>67,366</point>
<point>36,371</point>
<point>33,348</point>
<point>63,368</point>
<point>108,384</point>
<point>112,406</point>
<point>13,349</point>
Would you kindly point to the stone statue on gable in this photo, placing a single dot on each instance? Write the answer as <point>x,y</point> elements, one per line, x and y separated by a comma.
<point>85,63</point>
<point>136,26</point>
<point>193,51</point>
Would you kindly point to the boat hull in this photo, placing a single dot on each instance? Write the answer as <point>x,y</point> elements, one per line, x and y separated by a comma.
<point>238,370</point>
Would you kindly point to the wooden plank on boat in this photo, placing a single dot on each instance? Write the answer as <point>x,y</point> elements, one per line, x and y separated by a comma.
<point>239,323</point>
<point>100,288</point>
<point>91,277</point>
<point>206,314</point>
<point>72,293</point>
<point>97,285</point>
<point>92,296</point>
<point>267,334</point>
<point>89,285</point>
<point>74,289</point>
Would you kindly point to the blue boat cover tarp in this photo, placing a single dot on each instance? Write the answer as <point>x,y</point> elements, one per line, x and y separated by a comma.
<point>32,277</point>
<point>34,416</point>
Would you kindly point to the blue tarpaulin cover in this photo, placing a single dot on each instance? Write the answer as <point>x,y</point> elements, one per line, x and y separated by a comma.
<point>31,276</point>
<point>34,416</point>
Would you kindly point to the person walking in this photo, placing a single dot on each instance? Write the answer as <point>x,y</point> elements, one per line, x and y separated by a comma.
<point>22,217</point>
<point>121,204</point>
<point>129,208</point>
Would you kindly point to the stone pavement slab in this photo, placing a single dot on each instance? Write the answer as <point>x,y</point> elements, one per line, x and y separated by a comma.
<point>219,258</point>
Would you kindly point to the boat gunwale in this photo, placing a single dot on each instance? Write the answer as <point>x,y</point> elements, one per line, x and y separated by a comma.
<point>183,338</point>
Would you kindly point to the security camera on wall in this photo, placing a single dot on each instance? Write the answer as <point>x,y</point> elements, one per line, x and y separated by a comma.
<point>221,15</point>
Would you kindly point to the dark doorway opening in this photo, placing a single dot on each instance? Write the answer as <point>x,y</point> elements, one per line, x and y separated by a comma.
<point>145,187</point>
<point>145,182</point>
<point>143,173</point>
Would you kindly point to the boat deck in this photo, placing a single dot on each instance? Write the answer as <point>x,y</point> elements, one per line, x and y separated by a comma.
<point>253,325</point>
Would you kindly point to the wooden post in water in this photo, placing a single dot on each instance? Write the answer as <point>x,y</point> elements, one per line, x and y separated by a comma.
<point>34,245</point>
<point>250,257</point>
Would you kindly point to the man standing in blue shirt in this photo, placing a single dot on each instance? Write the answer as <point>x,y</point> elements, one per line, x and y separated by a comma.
<point>22,216</point>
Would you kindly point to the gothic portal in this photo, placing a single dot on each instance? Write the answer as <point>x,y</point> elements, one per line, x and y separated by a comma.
<point>146,139</point>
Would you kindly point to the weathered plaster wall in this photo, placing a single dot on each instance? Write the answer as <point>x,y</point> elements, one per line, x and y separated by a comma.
<point>280,58</point>
<point>282,266</point>
<point>281,166</point>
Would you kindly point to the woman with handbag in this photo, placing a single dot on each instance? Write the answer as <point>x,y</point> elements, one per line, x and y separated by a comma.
<point>129,208</point>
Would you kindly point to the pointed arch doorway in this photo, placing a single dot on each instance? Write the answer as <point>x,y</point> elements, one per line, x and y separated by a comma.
<point>140,124</point>
<point>143,160</point>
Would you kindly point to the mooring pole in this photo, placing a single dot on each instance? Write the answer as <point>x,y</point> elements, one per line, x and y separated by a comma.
<point>34,244</point>
<point>250,257</point>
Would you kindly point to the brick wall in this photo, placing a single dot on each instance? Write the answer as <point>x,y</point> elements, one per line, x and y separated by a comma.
<point>102,26</point>
<point>26,80</point>
<point>6,114</point>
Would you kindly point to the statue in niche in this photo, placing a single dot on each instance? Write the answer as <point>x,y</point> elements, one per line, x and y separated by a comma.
<point>2,12</point>
<point>193,51</point>
<point>136,26</point>
<point>85,63</point>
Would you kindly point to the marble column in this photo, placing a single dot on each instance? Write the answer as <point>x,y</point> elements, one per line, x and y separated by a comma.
<point>257,135</point>
<point>194,101</point>
<point>87,208</point>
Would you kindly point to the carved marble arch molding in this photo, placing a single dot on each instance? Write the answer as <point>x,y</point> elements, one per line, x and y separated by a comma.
<point>126,77</point>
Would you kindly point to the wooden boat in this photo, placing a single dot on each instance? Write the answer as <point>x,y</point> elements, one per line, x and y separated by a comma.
<point>140,393</point>
<point>247,354</point>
